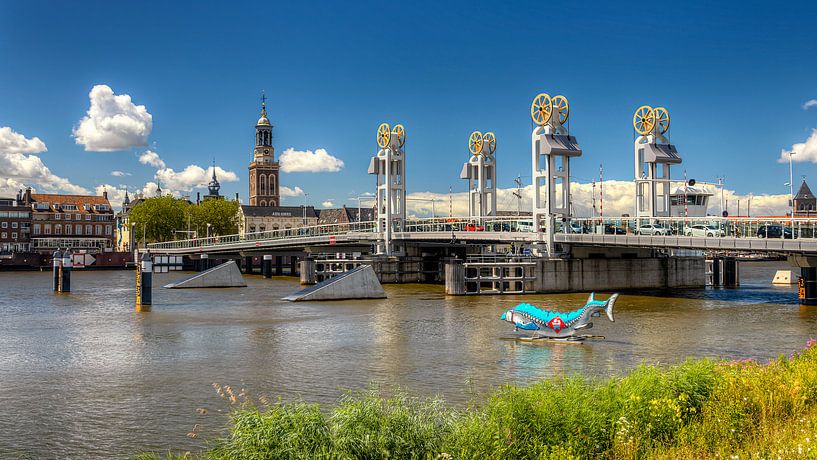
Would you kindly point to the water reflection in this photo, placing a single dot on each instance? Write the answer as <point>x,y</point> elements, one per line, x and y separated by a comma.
<point>84,375</point>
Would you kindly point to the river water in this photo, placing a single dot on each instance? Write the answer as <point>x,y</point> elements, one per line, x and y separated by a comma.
<point>84,376</point>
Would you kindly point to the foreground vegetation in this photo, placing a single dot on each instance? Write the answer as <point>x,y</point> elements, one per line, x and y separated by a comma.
<point>698,409</point>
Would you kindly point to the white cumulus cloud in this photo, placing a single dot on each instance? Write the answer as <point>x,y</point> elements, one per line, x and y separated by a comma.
<point>809,104</point>
<point>327,204</point>
<point>804,151</point>
<point>12,142</point>
<point>308,161</point>
<point>151,158</point>
<point>119,174</point>
<point>113,122</point>
<point>20,167</point>
<point>192,176</point>
<point>291,192</point>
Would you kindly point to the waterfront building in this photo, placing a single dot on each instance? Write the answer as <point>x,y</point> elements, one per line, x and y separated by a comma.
<point>124,232</point>
<point>253,219</point>
<point>345,215</point>
<point>805,203</point>
<point>78,222</point>
<point>15,225</point>
<point>264,184</point>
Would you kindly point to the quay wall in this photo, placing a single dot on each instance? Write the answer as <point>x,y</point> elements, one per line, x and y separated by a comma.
<point>581,275</point>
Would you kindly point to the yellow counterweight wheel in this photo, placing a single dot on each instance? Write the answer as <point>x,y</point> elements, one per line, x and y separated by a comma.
<point>541,109</point>
<point>644,120</point>
<point>661,119</point>
<point>383,135</point>
<point>475,143</point>
<point>561,107</point>
<point>400,132</point>
<point>490,140</point>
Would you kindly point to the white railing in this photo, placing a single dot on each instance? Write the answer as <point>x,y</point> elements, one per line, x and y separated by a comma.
<point>707,227</point>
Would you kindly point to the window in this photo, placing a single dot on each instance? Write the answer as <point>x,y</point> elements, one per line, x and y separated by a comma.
<point>107,229</point>
<point>87,217</point>
<point>36,229</point>
<point>58,229</point>
<point>57,216</point>
<point>79,229</point>
<point>5,224</point>
<point>98,229</point>
<point>88,229</point>
<point>77,217</point>
<point>4,235</point>
<point>14,225</point>
<point>68,228</point>
<point>68,217</point>
<point>69,207</point>
<point>14,235</point>
<point>47,229</point>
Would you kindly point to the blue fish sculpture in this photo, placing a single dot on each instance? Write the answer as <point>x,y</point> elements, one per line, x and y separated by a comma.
<point>552,324</point>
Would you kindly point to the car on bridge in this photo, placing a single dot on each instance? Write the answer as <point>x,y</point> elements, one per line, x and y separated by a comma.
<point>704,230</point>
<point>775,231</point>
<point>653,229</point>
<point>472,227</point>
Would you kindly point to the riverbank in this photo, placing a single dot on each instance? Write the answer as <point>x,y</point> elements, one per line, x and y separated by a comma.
<point>697,409</point>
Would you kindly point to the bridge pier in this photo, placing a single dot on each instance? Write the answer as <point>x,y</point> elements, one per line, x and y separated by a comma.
<point>266,266</point>
<point>293,265</point>
<point>807,282</point>
<point>279,265</point>
<point>248,268</point>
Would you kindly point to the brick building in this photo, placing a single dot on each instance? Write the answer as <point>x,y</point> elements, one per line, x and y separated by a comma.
<point>70,221</point>
<point>15,225</point>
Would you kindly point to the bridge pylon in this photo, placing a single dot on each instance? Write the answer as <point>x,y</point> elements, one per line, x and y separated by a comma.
<point>389,165</point>
<point>654,155</point>
<point>552,147</point>
<point>480,171</point>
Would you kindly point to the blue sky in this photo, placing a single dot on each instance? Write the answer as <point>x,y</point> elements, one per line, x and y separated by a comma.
<point>734,77</point>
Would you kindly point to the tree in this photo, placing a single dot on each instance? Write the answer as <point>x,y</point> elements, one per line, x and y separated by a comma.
<point>222,215</point>
<point>159,217</point>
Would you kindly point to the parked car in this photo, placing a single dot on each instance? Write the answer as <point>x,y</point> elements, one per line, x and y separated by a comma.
<point>775,231</point>
<point>474,228</point>
<point>574,227</point>
<point>614,230</point>
<point>704,230</point>
<point>653,229</point>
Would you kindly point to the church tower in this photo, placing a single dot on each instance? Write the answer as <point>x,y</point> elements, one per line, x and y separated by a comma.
<point>264,168</point>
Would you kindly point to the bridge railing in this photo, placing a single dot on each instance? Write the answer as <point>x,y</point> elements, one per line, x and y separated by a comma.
<point>707,227</point>
<point>268,235</point>
<point>464,224</point>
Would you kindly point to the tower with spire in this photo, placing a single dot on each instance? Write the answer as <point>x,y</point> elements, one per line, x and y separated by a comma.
<point>264,185</point>
<point>213,187</point>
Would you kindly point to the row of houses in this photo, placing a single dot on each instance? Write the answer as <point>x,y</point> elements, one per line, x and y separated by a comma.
<point>38,222</point>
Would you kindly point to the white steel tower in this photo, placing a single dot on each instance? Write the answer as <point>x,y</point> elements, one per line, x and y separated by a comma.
<point>552,147</point>
<point>480,171</point>
<point>653,157</point>
<point>390,167</point>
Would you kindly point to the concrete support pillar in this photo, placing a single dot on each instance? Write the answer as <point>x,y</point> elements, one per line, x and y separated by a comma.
<point>248,269</point>
<point>279,265</point>
<point>266,266</point>
<point>293,265</point>
<point>807,285</point>
<point>731,273</point>
<point>204,263</point>
<point>65,271</point>
<point>455,278</point>
<point>308,275</point>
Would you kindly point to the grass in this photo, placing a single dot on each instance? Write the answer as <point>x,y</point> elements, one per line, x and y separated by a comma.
<point>697,409</point>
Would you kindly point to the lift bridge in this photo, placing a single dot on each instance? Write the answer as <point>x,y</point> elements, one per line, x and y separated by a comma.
<point>549,251</point>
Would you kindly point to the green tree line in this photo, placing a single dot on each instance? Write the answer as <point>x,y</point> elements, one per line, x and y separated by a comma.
<point>162,218</point>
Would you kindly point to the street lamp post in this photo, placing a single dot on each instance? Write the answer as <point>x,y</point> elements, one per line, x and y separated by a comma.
<point>791,192</point>
<point>208,230</point>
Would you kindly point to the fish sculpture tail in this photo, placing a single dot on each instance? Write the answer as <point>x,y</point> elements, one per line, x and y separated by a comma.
<point>608,308</point>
